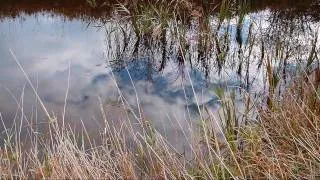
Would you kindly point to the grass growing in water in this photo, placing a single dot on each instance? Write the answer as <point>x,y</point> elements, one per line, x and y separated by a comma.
<point>281,142</point>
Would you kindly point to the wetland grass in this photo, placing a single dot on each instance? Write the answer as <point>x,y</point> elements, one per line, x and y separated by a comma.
<point>238,143</point>
<point>270,138</point>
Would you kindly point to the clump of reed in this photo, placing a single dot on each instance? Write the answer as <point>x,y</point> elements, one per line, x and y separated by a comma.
<point>252,142</point>
<point>255,141</point>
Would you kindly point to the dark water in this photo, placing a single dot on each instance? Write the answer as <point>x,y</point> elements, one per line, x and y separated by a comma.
<point>94,59</point>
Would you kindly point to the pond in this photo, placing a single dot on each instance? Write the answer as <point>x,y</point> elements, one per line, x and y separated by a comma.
<point>77,62</point>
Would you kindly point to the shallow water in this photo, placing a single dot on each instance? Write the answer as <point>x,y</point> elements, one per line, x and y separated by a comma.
<point>91,62</point>
<point>50,47</point>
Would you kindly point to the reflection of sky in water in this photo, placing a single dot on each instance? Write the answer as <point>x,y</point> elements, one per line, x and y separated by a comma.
<point>45,45</point>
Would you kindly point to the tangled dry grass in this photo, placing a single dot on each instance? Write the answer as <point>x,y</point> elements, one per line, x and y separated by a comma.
<point>275,142</point>
<point>280,143</point>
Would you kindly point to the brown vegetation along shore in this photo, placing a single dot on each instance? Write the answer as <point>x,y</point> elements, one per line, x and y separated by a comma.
<point>101,8</point>
<point>278,141</point>
<point>281,142</point>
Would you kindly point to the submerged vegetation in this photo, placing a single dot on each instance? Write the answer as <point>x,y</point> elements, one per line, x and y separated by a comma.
<point>274,135</point>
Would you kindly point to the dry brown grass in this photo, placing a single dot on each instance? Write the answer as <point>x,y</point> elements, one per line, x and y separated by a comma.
<point>283,143</point>
<point>287,136</point>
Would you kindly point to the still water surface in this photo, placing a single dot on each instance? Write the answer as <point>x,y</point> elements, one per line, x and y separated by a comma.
<point>76,57</point>
<point>49,47</point>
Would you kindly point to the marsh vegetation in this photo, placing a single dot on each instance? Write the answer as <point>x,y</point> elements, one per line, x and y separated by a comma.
<point>240,79</point>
